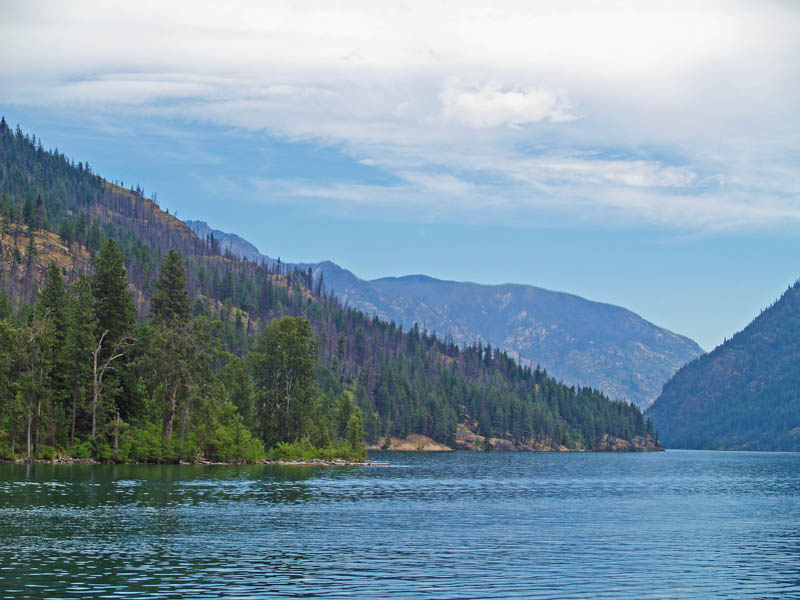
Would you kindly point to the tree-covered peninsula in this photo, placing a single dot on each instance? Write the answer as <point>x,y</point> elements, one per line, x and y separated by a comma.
<point>127,337</point>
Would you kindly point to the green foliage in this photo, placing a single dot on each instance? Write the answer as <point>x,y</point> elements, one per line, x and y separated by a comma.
<point>283,366</point>
<point>112,300</point>
<point>304,450</point>
<point>80,450</point>
<point>170,302</point>
<point>354,434</point>
<point>230,440</point>
<point>47,453</point>
<point>744,394</point>
<point>264,358</point>
<point>144,444</point>
<point>102,451</point>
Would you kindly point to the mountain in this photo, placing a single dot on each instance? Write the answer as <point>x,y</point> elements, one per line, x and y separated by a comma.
<point>57,219</point>
<point>743,395</point>
<point>579,341</point>
<point>229,242</point>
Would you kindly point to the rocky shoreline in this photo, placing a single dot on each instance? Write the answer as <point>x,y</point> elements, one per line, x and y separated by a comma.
<point>467,439</point>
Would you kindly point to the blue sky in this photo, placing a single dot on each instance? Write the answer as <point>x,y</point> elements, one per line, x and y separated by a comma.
<point>641,155</point>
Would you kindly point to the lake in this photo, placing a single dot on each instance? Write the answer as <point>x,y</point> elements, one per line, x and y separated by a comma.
<point>676,524</point>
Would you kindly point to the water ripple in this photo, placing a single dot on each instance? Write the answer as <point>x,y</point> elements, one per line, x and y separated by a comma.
<point>457,525</point>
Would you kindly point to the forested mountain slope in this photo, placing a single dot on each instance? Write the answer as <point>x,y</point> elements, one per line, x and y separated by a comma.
<point>743,395</point>
<point>596,344</point>
<point>403,381</point>
<point>577,340</point>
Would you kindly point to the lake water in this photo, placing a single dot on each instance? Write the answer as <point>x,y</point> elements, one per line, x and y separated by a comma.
<point>677,524</point>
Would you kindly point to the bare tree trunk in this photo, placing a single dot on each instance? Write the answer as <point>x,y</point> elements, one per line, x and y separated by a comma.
<point>185,418</point>
<point>95,388</point>
<point>165,420</point>
<point>30,423</point>
<point>38,425</point>
<point>288,400</point>
<point>173,400</point>
<point>99,372</point>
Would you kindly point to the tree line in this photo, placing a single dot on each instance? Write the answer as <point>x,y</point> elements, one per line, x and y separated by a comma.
<point>402,381</point>
<point>81,377</point>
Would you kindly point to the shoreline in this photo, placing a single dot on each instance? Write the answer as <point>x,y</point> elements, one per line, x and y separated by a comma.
<point>319,462</point>
<point>199,463</point>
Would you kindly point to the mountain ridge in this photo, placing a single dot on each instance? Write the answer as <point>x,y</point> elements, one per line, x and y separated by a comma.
<point>404,382</point>
<point>581,341</point>
<point>743,394</point>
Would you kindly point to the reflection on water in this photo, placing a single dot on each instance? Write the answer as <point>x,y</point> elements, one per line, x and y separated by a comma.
<point>455,525</point>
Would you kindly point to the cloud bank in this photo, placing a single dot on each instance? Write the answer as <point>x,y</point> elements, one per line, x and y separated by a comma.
<point>621,113</point>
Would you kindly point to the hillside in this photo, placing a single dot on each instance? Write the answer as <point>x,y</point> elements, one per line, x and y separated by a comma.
<point>579,341</point>
<point>404,381</point>
<point>743,395</point>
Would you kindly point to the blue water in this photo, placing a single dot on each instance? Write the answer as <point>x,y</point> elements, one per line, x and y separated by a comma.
<point>677,524</point>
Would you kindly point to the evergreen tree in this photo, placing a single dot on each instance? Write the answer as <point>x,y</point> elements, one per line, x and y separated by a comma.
<point>52,305</point>
<point>113,302</point>
<point>29,214</point>
<point>170,302</point>
<point>66,232</point>
<point>171,347</point>
<point>78,347</point>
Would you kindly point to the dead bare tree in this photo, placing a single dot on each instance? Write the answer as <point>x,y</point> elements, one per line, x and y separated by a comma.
<point>99,372</point>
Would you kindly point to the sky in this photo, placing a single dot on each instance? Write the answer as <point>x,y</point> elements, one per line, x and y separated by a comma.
<point>642,154</point>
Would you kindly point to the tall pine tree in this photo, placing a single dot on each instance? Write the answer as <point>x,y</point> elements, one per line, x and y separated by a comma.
<point>170,303</point>
<point>113,301</point>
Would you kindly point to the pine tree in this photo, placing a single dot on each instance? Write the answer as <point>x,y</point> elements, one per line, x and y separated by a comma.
<point>29,214</point>
<point>67,232</point>
<point>78,347</point>
<point>39,217</point>
<point>170,349</point>
<point>170,303</point>
<point>113,302</point>
<point>53,307</point>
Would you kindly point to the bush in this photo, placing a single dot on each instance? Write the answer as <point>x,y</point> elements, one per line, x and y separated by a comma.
<point>103,451</point>
<point>229,440</point>
<point>79,450</point>
<point>305,450</point>
<point>143,444</point>
<point>47,453</point>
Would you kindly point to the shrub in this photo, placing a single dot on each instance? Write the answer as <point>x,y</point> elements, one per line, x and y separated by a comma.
<point>305,450</point>
<point>47,453</point>
<point>79,450</point>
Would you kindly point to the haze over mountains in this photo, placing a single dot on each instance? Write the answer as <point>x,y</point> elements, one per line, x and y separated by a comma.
<point>577,340</point>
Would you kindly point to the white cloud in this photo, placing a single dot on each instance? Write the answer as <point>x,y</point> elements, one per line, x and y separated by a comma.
<point>634,173</point>
<point>490,106</point>
<point>536,102</point>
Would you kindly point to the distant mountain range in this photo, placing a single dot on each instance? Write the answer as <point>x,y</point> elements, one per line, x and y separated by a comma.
<point>580,341</point>
<point>743,395</point>
<point>228,241</point>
